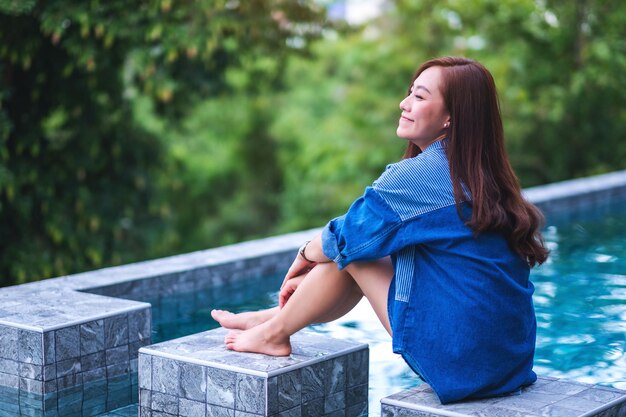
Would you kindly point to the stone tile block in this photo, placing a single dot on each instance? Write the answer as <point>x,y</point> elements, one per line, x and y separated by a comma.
<point>115,331</point>
<point>92,337</point>
<point>549,397</point>
<point>117,355</point>
<point>313,381</point>
<point>289,390</point>
<point>164,402</point>
<point>67,343</point>
<point>165,375</point>
<point>28,370</point>
<point>30,347</point>
<point>247,394</point>
<point>10,366</point>
<point>217,411</point>
<point>145,371</point>
<point>193,382</point>
<point>8,342</point>
<point>68,367</point>
<point>191,408</point>
<point>139,325</point>
<point>220,389</point>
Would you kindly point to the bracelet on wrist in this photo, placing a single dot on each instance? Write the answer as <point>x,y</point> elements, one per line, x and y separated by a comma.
<point>301,252</point>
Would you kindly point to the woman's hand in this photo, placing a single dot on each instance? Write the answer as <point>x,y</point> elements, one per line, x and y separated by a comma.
<point>288,289</point>
<point>300,266</point>
<point>303,264</point>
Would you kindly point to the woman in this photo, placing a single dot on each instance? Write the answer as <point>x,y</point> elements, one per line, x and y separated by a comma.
<point>441,245</point>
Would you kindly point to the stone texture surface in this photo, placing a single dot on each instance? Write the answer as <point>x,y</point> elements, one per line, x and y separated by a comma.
<point>548,397</point>
<point>322,377</point>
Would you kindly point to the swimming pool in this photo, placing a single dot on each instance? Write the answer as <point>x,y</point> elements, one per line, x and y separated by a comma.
<point>580,300</point>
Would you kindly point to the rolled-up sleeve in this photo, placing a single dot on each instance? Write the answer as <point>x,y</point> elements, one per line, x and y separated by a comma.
<point>369,230</point>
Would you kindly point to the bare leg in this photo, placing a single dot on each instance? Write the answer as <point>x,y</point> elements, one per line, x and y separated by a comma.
<point>248,319</point>
<point>325,293</point>
<point>245,320</point>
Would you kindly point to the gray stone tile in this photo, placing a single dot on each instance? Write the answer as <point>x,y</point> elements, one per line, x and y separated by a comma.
<point>145,371</point>
<point>10,366</point>
<point>118,369</point>
<point>92,337</point>
<point>165,374</point>
<point>30,347</point>
<point>335,375</point>
<point>216,411</point>
<point>337,413</point>
<point>93,361</point>
<point>600,395</point>
<point>189,408</point>
<point>139,325</point>
<point>69,381</point>
<point>293,412</point>
<point>145,397</point>
<point>313,382</point>
<point>49,348</point>
<point>250,394</point>
<point>117,355</point>
<point>334,402</point>
<point>32,386</point>
<point>499,412</point>
<point>9,380</point>
<point>579,404</point>
<point>520,403</point>
<point>358,368</point>
<point>193,382</point>
<point>145,412</point>
<point>97,374</point>
<point>357,410</point>
<point>272,396</point>
<point>289,390</point>
<point>562,387</point>
<point>164,402</point>
<point>313,408</point>
<point>68,367</point>
<point>28,370</point>
<point>356,395</point>
<point>67,343</point>
<point>49,372</point>
<point>220,388</point>
<point>115,331</point>
<point>556,411</point>
<point>50,386</point>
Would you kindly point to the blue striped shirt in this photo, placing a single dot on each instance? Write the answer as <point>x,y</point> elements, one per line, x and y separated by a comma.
<point>460,304</point>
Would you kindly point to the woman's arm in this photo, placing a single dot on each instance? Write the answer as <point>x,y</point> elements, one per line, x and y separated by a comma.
<point>309,255</point>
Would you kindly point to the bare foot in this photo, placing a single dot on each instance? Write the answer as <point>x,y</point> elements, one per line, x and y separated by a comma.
<point>259,339</point>
<point>243,321</point>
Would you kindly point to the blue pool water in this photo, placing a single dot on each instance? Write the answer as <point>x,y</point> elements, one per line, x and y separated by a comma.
<point>580,301</point>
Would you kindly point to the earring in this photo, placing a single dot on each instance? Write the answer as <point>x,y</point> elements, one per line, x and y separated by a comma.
<point>446,124</point>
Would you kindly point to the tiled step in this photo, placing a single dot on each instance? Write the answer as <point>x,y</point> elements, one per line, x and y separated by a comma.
<point>548,397</point>
<point>196,376</point>
<point>59,347</point>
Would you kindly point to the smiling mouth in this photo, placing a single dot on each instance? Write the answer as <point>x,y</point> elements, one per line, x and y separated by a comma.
<point>405,118</point>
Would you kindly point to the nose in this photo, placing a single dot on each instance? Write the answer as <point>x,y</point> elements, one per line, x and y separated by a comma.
<point>404,104</point>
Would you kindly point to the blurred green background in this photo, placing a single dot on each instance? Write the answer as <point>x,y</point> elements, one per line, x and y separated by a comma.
<point>131,130</point>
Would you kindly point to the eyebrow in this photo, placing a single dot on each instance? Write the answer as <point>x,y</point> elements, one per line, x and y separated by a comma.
<point>423,88</point>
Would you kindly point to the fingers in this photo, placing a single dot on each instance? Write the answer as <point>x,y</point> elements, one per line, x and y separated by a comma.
<point>297,268</point>
<point>288,289</point>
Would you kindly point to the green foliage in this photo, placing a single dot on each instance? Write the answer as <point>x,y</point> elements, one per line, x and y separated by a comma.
<point>131,130</point>
<point>83,184</point>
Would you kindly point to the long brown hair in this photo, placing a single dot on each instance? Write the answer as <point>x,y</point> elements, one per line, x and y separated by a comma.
<point>478,159</point>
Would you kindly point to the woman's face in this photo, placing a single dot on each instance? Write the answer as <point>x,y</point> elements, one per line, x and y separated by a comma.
<point>424,116</point>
